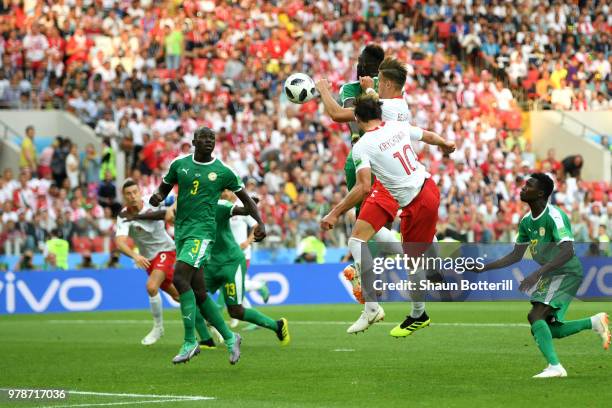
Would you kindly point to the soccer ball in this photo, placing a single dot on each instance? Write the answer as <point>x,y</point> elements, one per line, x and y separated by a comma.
<point>299,88</point>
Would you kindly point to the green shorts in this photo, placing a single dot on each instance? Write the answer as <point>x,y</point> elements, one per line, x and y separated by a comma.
<point>193,251</point>
<point>557,291</point>
<point>229,278</point>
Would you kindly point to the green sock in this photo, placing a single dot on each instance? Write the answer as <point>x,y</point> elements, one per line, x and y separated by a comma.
<point>543,338</point>
<point>188,311</point>
<point>211,313</point>
<point>200,326</point>
<point>560,330</point>
<point>260,319</point>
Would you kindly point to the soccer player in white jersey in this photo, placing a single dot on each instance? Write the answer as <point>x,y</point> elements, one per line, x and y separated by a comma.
<point>156,254</point>
<point>379,207</point>
<point>385,150</point>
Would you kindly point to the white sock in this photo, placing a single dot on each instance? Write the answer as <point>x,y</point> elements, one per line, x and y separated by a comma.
<point>417,309</point>
<point>595,323</point>
<point>156,310</point>
<point>246,303</point>
<point>392,244</point>
<point>251,285</point>
<point>354,245</point>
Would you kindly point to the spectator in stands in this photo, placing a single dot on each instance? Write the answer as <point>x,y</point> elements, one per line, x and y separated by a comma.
<point>113,261</point>
<point>58,160</point>
<point>59,247</point>
<point>27,158</point>
<point>86,261</point>
<point>572,166</point>
<point>90,168</point>
<point>72,166</point>
<point>50,262</point>
<point>311,249</point>
<point>107,194</point>
<point>26,262</point>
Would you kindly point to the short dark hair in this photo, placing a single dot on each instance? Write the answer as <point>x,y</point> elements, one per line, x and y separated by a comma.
<point>394,70</point>
<point>202,131</point>
<point>545,183</point>
<point>369,60</point>
<point>129,182</point>
<point>368,107</point>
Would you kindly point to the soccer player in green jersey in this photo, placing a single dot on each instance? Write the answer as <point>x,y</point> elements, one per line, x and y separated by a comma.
<point>547,232</point>
<point>225,271</point>
<point>200,178</point>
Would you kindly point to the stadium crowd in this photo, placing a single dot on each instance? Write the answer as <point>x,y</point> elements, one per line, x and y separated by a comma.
<point>144,74</point>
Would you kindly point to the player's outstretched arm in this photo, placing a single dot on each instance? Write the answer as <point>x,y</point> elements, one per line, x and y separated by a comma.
<point>149,216</point>
<point>435,139</point>
<point>357,194</point>
<point>510,259</point>
<point>251,209</point>
<point>122,244</point>
<point>336,112</point>
<point>566,252</point>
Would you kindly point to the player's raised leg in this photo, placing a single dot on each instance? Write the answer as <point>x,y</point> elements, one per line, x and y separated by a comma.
<point>233,290</point>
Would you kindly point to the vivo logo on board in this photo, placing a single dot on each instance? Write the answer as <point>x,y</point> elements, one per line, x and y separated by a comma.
<point>11,289</point>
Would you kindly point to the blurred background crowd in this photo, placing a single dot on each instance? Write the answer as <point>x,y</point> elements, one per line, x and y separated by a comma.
<point>144,74</point>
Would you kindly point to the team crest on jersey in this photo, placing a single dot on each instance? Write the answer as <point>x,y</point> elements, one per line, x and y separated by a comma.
<point>212,176</point>
<point>542,231</point>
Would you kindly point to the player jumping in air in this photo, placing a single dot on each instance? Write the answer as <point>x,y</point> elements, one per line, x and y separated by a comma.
<point>385,151</point>
<point>546,230</point>
<point>201,178</point>
<point>379,206</point>
<point>367,66</point>
<point>156,254</point>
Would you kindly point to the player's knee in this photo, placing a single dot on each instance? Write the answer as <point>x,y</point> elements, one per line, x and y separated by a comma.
<point>534,315</point>
<point>236,311</point>
<point>152,289</point>
<point>200,296</point>
<point>181,284</point>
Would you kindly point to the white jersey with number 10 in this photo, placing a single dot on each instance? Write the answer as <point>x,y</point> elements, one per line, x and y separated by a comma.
<point>387,151</point>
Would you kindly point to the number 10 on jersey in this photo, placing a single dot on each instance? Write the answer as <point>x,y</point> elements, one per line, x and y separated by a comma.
<point>403,158</point>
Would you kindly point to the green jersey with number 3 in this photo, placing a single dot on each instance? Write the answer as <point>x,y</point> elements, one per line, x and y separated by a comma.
<point>543,234</point>
<point>199,188</point>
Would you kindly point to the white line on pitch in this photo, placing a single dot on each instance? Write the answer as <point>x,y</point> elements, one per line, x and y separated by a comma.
<point>158,398</point>
<point>108,404</point>
<point>112,394</point>
<point>347,350</point>
<point>298,322</point>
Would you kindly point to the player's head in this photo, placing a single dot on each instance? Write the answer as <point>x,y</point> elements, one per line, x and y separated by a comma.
<point>204,140</point>
<point>369,60</point>
<point>538,186</point>
<point>367,108</point>
<point>132,196</point>
<point>391,78</point>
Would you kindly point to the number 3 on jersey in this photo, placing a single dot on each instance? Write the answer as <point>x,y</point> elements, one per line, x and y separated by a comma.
<point>403,158</point>
<point>196,184</point>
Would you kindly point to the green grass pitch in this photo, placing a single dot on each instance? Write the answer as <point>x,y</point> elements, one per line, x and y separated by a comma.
<point>474,354</point>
